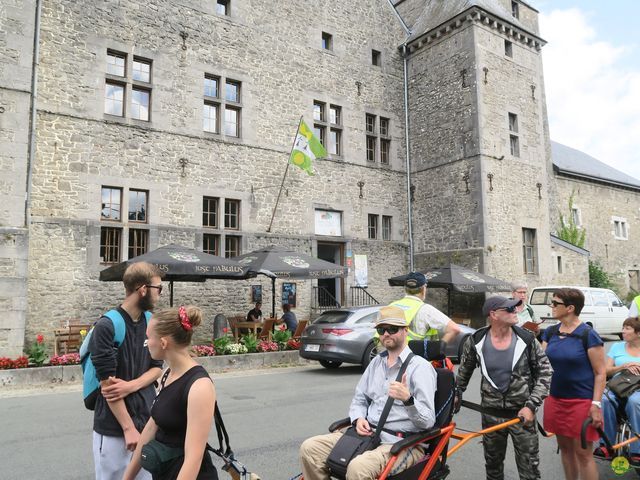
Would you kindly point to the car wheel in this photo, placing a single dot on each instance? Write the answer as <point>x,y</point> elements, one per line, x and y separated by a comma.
<point>369,354</point>
<point>330,364</point>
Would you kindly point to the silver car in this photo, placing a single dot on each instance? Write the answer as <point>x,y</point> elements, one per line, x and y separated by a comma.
<point>346,335</point>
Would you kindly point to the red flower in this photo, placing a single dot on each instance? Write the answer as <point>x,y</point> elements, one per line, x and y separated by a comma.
<point>39,338</point>
<point>283,327</point>
<point>225,330</point>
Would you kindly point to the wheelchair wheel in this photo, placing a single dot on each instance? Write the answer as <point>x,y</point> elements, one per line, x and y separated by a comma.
<point>623,434</point>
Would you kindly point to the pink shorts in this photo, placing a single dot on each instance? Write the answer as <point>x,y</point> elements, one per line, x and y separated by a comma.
<point>564,416</point>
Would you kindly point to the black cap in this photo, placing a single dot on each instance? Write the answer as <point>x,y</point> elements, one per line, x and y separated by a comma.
<point>415,280</point>
<point>498,302</point>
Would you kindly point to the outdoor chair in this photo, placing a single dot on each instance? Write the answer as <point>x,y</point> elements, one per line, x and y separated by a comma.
<point>302,324</point>
<point>267,328</point>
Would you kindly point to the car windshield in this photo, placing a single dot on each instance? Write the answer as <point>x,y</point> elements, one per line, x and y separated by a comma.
<point>333,317</point>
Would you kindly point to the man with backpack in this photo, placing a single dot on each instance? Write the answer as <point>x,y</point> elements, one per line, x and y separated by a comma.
<point>126,373</point>
<point>516,375</point>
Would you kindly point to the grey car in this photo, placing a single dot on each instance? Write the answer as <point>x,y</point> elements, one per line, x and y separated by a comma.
<point>346,335</point>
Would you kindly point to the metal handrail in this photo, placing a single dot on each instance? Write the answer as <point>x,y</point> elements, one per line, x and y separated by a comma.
<point>323,299</point>
<point>360,296</point>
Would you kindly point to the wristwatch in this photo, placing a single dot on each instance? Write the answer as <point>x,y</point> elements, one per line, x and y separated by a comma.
<point>596,403</point>
<point>408,402</point>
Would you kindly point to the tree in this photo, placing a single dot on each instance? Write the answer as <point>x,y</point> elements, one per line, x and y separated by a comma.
<point>569,231</point>
<point>598,277</point>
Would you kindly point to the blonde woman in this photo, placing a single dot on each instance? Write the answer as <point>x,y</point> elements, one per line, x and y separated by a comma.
<point>182,413</point>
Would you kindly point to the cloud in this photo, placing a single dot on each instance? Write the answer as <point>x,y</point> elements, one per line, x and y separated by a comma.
<point>593,92</point>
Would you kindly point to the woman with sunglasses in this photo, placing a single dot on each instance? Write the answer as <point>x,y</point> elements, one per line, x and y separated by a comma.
<point>182,413</point>
<point>577,356</point>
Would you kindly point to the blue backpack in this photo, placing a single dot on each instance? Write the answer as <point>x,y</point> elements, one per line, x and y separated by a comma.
<point>90,381</point>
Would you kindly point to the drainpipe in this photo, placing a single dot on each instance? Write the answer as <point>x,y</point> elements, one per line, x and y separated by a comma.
<point>32,109</point>
<point>405,82</point>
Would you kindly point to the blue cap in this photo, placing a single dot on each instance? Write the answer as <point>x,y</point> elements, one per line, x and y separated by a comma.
<point>415,280</point>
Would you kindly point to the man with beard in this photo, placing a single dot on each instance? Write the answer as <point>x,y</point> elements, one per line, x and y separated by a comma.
<point>126,373</point>
<point>413,410</point>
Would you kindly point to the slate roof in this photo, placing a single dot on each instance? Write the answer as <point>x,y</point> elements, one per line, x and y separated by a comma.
<point>574,162</point>
<point>437,12</point>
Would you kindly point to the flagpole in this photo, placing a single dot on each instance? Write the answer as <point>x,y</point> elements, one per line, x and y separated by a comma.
<point>284,176</point>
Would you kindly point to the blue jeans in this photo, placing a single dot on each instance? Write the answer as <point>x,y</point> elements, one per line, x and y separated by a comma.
<point>632,408</point>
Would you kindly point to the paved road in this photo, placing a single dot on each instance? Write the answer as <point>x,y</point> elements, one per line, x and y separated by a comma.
<point>268,414</point>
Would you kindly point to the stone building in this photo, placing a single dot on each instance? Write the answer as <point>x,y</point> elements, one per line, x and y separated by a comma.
<point>127,125</point>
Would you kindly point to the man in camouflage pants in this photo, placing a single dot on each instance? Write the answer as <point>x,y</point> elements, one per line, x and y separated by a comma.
<point>516,375</point>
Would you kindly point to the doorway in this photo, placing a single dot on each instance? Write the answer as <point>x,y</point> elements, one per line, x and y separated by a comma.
<point>334,287</point>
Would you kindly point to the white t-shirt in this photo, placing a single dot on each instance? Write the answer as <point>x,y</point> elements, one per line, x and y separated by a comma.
<point>633,309</point>
<point>430,317</point>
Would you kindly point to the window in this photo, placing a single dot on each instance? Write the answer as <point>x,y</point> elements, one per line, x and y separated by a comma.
<point>373,226</point>
<point>111,202</point>
<point>138,206</point>
<point>377,135</point>
<point>327,41</point>
<point>114,99</point>
<point>515,9</point>
<point>210,212</point>
<point>116,63</point>
<point>231,246</point>
<point>222,7</point>
<point>117,91</point>
<point>376,58</point>
<point>514,141</point>
<point>559,263</point>
<point>386,227</point>
<point>328,222</point>
<point>110,239</point>
<point>620,228</point>
<point>141,70</point>
<point>508,48</point>
<point>576,217</point>
<point>140,104</point>
<point>529,250</point>
<point>211,244</point>
<point>328,132</point>
<point>138,242</point>
<point>228,104</point>
<point>232,214</point>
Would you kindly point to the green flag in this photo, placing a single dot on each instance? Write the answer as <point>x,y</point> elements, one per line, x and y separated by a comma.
<point>306,148</point>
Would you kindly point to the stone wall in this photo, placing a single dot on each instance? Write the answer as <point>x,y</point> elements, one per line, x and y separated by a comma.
<point>598,204</point>
<point>570,267</point>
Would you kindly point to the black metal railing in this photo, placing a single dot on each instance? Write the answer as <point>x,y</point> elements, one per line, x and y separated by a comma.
<point>360,296</point>
<point>323,299</point>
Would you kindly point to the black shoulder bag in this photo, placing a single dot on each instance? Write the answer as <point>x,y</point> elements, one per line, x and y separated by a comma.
<point>351,444</point>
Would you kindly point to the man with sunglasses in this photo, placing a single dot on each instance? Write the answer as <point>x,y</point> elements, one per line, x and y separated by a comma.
<point>413,412</point>
<point>126,373</point>
<point>516,376</point>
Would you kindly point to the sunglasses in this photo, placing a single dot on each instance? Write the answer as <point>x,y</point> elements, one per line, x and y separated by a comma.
<point>390,330</point>
<point>507,309</point>
<point>555,303</point>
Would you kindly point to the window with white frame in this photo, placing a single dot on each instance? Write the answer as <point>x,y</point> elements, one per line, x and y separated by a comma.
<point>576,216</point>
<point>327,126</point>
<point>620,228</point>
<point>222,106</point>
<point>128,81</point>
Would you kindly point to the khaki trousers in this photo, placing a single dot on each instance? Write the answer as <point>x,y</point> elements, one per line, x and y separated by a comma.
<point>368,466</point>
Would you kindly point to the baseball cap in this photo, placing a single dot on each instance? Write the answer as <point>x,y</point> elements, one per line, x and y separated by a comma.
<point>415,280</point>
<point>498,302</point>
<point>391,315</point>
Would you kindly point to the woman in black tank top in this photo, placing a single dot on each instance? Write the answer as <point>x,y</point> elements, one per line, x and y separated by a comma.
<point>182,413</point>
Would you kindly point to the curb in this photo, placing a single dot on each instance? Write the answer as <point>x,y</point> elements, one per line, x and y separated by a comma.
<point>72,374</point>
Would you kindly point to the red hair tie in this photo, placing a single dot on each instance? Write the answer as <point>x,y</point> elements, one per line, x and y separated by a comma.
<point>184,318</point>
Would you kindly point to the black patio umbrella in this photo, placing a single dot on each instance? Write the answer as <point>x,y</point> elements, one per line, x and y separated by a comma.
<point>459,279</point>
<point>286,263</point>
<point>183,264</point>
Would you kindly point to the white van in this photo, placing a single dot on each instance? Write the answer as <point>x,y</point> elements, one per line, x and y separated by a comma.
<point>603,310</point>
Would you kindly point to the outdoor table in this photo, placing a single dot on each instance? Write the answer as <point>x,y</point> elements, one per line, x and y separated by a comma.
<point>250,325</point>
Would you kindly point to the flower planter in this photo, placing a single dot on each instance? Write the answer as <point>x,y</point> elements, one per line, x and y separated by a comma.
<point>72,374</point>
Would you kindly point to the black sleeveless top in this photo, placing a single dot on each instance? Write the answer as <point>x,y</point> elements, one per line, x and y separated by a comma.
<point>169,411</point>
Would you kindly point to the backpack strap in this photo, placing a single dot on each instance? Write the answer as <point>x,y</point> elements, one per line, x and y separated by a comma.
<point>584,336</point>
<point>119,326</point>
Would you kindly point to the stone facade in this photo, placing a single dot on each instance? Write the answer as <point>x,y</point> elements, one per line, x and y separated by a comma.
<point>471,196</point>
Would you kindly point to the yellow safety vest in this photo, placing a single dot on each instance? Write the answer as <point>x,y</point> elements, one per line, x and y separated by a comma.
<point>411,305</point>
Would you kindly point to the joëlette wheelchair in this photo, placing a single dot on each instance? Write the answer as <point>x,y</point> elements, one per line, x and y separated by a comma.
<point>618,446</point>
<point>435,441</point>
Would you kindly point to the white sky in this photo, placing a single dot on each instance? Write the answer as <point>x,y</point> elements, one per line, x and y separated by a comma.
<point>592,78</point>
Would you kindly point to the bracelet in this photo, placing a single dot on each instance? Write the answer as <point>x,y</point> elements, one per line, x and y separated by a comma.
<point>596,403</point>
